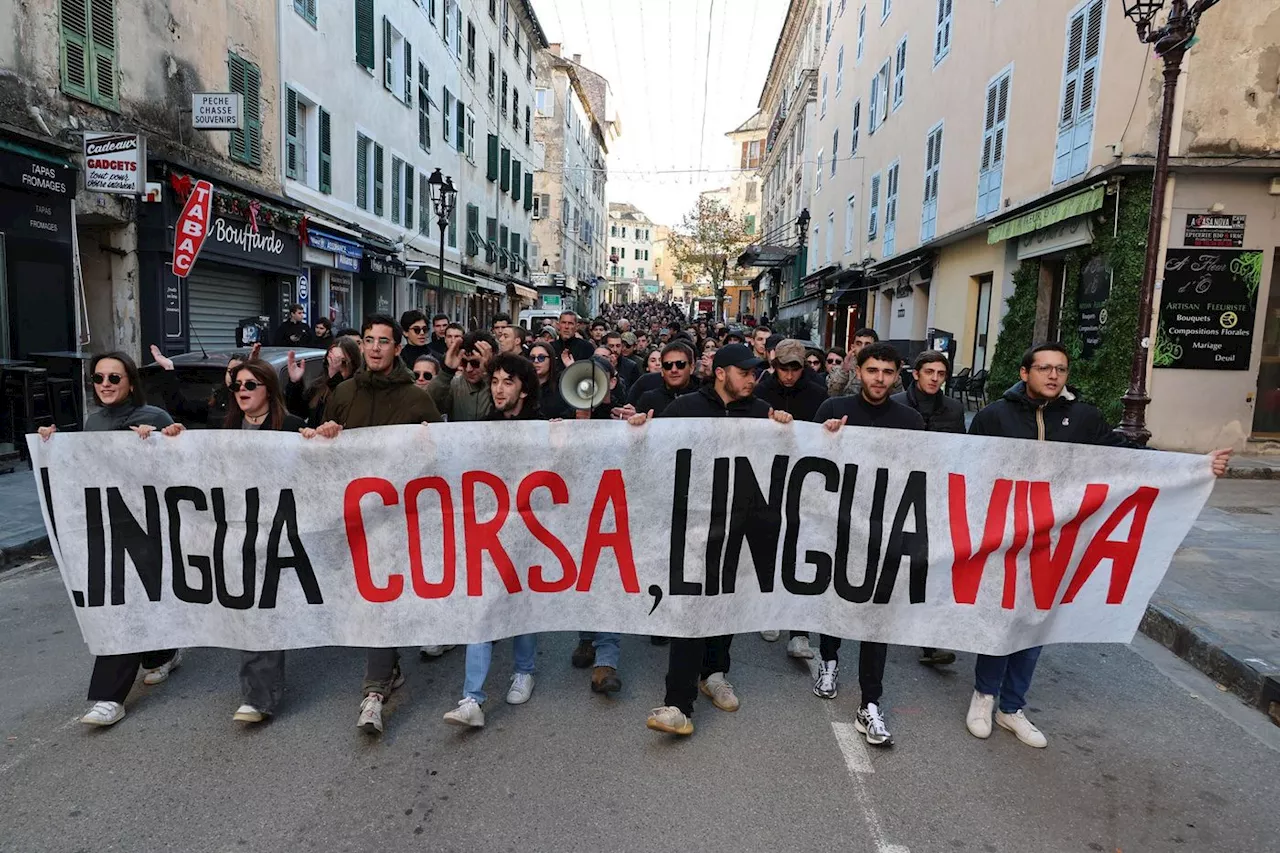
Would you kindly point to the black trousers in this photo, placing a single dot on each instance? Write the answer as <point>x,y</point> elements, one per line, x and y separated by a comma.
<point>690,660</point>
<point>113,675</point>
<point>871,660</point>
<point>262,679</point>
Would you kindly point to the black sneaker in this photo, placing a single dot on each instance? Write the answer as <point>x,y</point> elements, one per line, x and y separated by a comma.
<point>584,655</point>
<point>936,657</point>
<point>659,641</point>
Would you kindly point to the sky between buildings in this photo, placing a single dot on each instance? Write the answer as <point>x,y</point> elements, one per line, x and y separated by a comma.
<point>656,57</point>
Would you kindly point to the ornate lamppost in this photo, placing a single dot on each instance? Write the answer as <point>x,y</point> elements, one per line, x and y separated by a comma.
<point>444,198</point>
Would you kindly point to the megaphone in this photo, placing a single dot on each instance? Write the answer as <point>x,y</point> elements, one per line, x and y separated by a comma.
<point>584,384</point>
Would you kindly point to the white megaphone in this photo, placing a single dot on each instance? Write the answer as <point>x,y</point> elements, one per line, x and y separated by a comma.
<point>584,384</point>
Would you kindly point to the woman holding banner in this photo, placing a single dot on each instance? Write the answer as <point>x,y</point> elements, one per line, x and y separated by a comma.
<point>259,405</point>
<point>117,388</point>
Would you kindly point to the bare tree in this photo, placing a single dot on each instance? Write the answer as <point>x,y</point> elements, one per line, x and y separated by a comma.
<point>706,243</point>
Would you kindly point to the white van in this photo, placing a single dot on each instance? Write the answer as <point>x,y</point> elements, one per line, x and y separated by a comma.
<point>534,319</point>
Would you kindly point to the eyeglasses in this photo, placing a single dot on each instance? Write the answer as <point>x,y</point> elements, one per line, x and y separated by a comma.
<point>423,374</point>
<point>248,385</point>
<point>813,362</point>
<point>1055,369</point>
<point>473,363</point>
<point>834,359</point>
<point>538,359</point>
<point>112,378</point>
<point>679,364</point>
<point>380,342</point>
<point>418,330</point>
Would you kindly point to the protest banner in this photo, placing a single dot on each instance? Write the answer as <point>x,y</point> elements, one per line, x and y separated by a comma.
<point>457,533</point>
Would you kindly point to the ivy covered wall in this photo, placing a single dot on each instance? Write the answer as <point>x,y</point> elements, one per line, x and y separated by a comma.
<point>1103,378</point>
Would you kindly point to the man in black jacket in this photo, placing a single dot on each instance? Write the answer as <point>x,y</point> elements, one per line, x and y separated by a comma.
<point>701,663</point>
<point>579,349</point>
<point>1041,408</point>
<point>789,387</point>
<point>871,407</point>
<point>294,331</point>
<point>677,379</point>
<point>414,324</point>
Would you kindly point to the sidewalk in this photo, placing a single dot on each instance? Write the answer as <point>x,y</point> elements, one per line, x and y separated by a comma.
<point>1218,608</point>
<point>1254,467</point>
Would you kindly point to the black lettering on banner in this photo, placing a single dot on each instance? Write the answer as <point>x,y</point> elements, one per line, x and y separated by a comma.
<point>914,545</point>
<point>286,521</point>
<point>820,560</point>
<point>756,520</point>
<point>143,547</point>
<point>203,592</point>
<point>716,529</point>
<point>249,566</point>
<point>97,568</point>
<point>861,593</point>
<point>844,524</point>
<point>676,584</point>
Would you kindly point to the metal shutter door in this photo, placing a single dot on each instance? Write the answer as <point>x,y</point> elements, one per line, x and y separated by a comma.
<point>219,299</point>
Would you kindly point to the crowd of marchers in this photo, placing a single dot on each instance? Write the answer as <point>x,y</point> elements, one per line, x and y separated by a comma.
<point>418,370</point>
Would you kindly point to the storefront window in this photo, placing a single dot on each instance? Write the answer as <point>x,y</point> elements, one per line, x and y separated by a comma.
<point>341,309</point>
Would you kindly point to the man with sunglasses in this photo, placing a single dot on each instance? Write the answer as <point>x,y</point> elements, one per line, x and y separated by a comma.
<point>461,390</point>
<point>677,379</point>
<point>383,394</point>
<point>414,324</point>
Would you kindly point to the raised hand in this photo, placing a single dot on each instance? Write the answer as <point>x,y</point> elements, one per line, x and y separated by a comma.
<point>46,432</point>
<point>163,360</point>
<point>453,356</point>
<point>254,350</point>
<point>297,369</point>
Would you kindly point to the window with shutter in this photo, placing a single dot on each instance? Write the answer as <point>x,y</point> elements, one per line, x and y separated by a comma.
<point>362,171</point>
<point>460,131</point>
<point>504,171</point>
<point>490,240</point>
<point>942,31</point>
<point>874,102</point>
<point>446,118</point>
<point>364,34</point>
<point>840,70</point>
<point>408,196</point>
<point>245,79</point>
<point>873,210</point>
<point>891,211</point>
<point>995,129</point>
<point>835,150</point>
<point>471,48</point>
<point>471,136</point>
<point>502,247</point>
<point>932,168</point>
<point>88,50</point>
<point>377,179</point>
<point>75,48</point>
<point>862,33</point>
<point>291,134</point>
<point>397,166</point>
<point>388,60</point>
<point>900,74</point>
<point>307,9</point>
<point>491,166</point>
<point>424,108</point>
<point>408,74</point>
<point>528,190</point>
<point>822,104</point>
<point>326,152</point>
<point>516,180</point>
<point>492,73</point>
<point>528,125</point>
<point>1079,91</point>
<point>424,199</point>
<point>473,230</point>
<point>856,130</point>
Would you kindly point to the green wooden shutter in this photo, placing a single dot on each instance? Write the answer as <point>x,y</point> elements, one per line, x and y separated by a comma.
<point>460,132</point>
<point>408,73</point>
<point>291,134</point>
<point>387,61</point>
<point>408,196</point>
<point>516,185</point>
<point>307,9</point>
<point>377,179</point>
<point>490,240</point>
<point>502,247</point>
<point>473,229</point>
<point>395,189</point>
<point>244,78</point>
<point>102,35</point>
<point>75,47</point>
<point>362,172</point>
<point>326,153</point>
<point>491,172</point>
<point>364,33</point>
<point>528,190</point>
<point>504,180</point>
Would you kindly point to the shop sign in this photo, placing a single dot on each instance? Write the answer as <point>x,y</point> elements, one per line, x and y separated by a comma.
<point>551,300</point>
<point>318,239</point>
<point>237,242</point>
<point>1207,313</point>
<point>34,217</point>
<point>115,163</point>
<point>386,265</point>
<point>217,111</point>
<point>192,229</point>
<point>304,296</point>
<point>1218,230</point>
<point>1067,234</point>
<point>1091,305</point>
<point>35,176</point>
<point>558,279</point>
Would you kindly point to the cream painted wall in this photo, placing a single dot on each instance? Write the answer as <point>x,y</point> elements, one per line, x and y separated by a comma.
<point>954,293</point>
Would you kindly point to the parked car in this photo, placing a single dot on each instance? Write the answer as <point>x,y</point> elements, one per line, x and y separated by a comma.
<point>197,374</point>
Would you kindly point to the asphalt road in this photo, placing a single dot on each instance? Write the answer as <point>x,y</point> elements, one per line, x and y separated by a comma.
<point>1144,755</point>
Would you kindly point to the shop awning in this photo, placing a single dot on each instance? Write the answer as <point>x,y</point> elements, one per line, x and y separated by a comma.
<point>35,154</point>
<point>488,284</point>
<point>1074,205</point>
<point>525,292</point>
<point>767,256</point>
<point>799,308</point>
<point>452,282</point>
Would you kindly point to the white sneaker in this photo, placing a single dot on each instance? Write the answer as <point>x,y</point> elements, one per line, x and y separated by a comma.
<point>161,673</point>
<point>824,686</point>
<point>799,648</point>
<point>770,636</point>
<point>978,720</point>
<point>434,651</point>
<point>370,721</point>
<point>671,720</point>
<point>870,721</point>
<point>468,713</point>
<point>104,714</point>
<point>1019,724</point>
<point>249,714</point>
<point>521,688</point>
<point>720,692</point>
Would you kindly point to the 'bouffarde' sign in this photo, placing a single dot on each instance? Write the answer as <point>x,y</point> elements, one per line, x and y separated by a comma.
<point>414,535</point>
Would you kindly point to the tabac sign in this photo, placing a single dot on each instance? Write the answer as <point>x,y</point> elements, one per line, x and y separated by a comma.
<point>192,228</point>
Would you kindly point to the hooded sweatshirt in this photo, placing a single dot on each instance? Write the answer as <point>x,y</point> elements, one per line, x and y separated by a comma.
<point>125,415</point>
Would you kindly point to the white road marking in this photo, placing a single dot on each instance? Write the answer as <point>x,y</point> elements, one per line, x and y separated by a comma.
<point>855,751</point>
<point>33,747</point>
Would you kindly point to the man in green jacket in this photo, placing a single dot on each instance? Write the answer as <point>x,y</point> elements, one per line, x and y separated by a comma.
<point>463,394</point>
<point>383,394</point>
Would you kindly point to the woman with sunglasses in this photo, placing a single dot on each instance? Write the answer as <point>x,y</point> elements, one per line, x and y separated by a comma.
<point>425,368</point>
<point>117,388</point>
<point>340,363</point>
<point>259,405</point>
<point>212,410</point>
<point>547,366</point>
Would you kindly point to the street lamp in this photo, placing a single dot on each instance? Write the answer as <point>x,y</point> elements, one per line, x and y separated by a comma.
<point>444,198</point>
<point>1171,42</point>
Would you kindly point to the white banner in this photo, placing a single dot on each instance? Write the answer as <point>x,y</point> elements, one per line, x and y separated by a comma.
<point>457,533</point>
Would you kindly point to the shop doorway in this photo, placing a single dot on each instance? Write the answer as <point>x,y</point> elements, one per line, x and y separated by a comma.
<point>982,323</point>
<point>1266,410</point>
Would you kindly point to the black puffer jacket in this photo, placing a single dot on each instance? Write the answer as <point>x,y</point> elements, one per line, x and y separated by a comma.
<point>940,412</point>
<point>801,400</point>
<point>1064,418</point>
<point>706,403</point>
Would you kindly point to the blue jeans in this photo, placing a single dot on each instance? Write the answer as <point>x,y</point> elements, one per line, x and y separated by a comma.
<point>1007,677</point>
<point>608,646</point>
<point>480,655</point>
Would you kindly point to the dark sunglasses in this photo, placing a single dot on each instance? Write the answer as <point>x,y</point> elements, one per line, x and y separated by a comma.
<point>248,385</point>
<point>423,374</point>
<point>418,330</point>
<point>538,359</point>
<point>473,363</point>
<point>680,364</point>
<point>112,378</point>
<point>813,361</point>
<point>835,359</point>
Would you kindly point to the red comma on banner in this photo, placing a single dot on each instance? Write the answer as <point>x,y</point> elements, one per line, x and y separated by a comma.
<point>192,228</point>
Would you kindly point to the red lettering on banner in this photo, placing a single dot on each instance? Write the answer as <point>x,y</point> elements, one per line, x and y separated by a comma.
<point>1049,565</point>
<point>1123,553</point>
<point>422,587</point>
<point>612,490</point>
<point>358,542</point>
<point>481,537</point>
<point>555,484</point>
<point>1021,532</point>
<point>966,568</point>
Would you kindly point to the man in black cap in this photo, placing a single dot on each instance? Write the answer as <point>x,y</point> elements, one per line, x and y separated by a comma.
<point>701,663</point>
